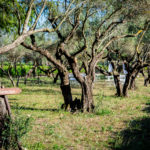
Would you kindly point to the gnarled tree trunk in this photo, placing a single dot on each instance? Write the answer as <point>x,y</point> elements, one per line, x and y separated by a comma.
<point>132,85</point>
<point>66,90</point>
<point>126,85</point>
<point>132,82</point>
<point>87,95</point>
<point>117,84</point>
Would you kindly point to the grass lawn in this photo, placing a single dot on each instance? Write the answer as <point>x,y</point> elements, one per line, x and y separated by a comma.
<point>117,123</point>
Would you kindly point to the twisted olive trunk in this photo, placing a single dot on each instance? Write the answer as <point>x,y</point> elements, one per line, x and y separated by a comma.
<point>132,82</point>
<point>117,84</point>
<point>66,90</point>
<point>87,101</point>
<point>126,85</point>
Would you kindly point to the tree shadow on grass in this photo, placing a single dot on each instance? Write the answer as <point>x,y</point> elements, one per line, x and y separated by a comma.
<point>45,91</point>
<point>35,109</point>
<point>135,137</point>
<point>147,109</point>
<point>33,82</point>
<point>12,99</point>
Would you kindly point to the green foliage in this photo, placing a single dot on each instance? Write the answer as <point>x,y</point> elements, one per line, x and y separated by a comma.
<point>102,112</point>
<point>36,146</point>
<point>21,70</point>
<point>14,130</point>
<point>6,15</point>
<point>100,109</point>
<point>146,38</point>
<point>58,147</point>
<point>53,6</point>
<point>103,66</point>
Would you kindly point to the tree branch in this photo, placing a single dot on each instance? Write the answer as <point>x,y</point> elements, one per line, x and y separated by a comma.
<point>35,23</point>
<point>113,39</point>
<point>27,16</point>
<point>21,39</point>
<point>45,53</point>
<point>104,72</point>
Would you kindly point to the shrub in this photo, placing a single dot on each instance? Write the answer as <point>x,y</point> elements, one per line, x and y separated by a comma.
<point>14,129</point>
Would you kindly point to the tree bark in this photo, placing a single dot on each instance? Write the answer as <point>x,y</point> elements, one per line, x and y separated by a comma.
<point>117,84</point>
<point>126,85</point>
<point>18,79</point>
<point>21,39</point>
<point>56,78</point>
<point>86,82</point>
<point>87,101</point>
<point>147,79</point>
<point>66,90</point>
<point>132,85</point>
<point>11,78</point>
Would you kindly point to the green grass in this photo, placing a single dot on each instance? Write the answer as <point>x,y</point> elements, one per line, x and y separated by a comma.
<point>55,129</point>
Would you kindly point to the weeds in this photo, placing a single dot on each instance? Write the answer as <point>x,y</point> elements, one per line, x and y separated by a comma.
<point>50,130</point>
<point>58,147</point>
<point>100,108</point>
<point>14,130</point>
<point>36,146</point>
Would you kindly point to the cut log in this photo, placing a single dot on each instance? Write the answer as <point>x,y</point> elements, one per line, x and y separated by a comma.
<point>9,91</point>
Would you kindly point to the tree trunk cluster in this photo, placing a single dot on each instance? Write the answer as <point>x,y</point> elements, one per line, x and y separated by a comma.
<point>129,83</point>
